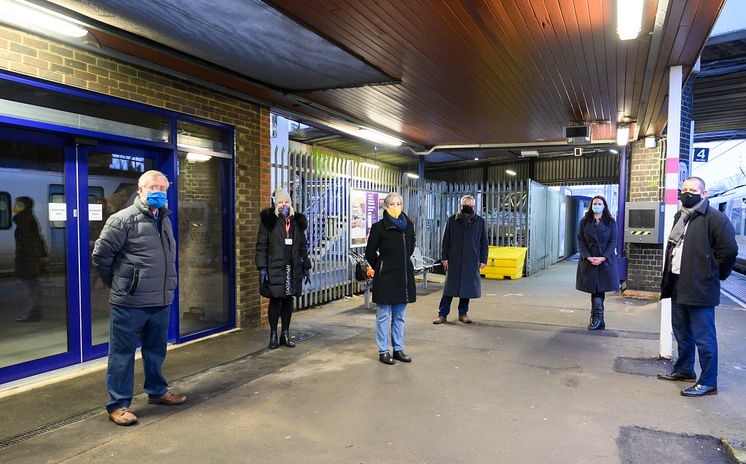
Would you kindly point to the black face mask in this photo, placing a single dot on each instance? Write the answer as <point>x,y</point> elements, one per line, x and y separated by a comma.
<point>688,200</point>
<point>466,209</point>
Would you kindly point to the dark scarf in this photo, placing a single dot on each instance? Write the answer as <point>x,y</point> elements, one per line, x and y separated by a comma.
<point>400,223</point>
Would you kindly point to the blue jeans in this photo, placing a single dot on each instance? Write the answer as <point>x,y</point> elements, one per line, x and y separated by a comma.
<point>390,318</point>
<point>128,324</point>
<point>445,306</point>
<point>694,326</point>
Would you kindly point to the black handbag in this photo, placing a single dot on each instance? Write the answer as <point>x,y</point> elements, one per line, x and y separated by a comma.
<point>361,267</point>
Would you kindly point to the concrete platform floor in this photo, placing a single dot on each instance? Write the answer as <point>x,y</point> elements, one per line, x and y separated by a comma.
<point>526,383</point>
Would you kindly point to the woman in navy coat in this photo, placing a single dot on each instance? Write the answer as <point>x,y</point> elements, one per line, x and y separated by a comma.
<point>597,266</point>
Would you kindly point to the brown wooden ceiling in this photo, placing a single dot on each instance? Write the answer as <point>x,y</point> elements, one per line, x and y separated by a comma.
<point>511,71</point>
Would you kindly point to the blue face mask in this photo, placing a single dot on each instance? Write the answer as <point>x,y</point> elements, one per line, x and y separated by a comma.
<point>598,209</point>
<point>284,210</point>
<point>156,199</point>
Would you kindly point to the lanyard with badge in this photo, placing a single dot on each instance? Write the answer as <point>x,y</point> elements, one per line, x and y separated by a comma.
<point>288,239</point>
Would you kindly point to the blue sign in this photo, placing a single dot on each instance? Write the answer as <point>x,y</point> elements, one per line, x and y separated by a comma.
<point>701,155</point>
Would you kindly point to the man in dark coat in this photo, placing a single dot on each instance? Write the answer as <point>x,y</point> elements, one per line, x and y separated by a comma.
<point>465,251</point>
<point>30,251</point>
<point>136,256</point>
<point>701,252</point>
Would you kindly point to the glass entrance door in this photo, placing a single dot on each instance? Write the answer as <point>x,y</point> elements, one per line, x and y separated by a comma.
<point>110,185</point>
<point>36,239</point>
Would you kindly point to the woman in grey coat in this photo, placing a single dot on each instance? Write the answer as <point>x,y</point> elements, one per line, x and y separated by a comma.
<point>597,267</point>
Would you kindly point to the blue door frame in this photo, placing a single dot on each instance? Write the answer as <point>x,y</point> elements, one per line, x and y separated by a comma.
<point>162,161</point>
<point>79,337</point>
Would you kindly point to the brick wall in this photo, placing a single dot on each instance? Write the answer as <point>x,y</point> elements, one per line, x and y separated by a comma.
<point>54,61</point>
<point>645,184</point>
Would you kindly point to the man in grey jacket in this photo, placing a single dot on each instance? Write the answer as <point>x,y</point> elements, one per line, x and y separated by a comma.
<point>136,256</point>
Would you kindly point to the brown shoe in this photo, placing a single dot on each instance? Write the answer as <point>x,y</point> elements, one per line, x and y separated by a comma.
<point>440,320</point>
<point>169,399</point>
<point>465,319</point>
<point>122,416</point>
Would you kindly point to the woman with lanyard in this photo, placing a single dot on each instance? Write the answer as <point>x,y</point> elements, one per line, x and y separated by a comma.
<point>597,267</point>
<point>282,261</point>
<point>390,246</point>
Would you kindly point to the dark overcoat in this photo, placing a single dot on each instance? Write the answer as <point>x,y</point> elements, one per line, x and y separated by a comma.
<point>30,246</point>
<point>271,253</point>
<point>709,253</point>
<point>597,240</point>
<point>389,251</point>
<point>464,246</point>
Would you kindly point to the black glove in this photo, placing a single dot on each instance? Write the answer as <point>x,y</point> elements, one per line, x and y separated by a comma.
<point>307,276</point>
<point>263,276</point>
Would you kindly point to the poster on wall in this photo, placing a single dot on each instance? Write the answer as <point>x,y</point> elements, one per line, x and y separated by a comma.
<point>366,208</point>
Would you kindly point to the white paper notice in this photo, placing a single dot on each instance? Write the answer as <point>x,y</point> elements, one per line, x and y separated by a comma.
<point>57,211</point>
<point>95,212</point>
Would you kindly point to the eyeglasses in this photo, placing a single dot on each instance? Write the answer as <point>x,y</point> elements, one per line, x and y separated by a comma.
<point>156,188</point>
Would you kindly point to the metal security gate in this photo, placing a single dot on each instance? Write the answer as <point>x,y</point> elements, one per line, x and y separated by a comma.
<point>548,228</point>
<point>319,181</point>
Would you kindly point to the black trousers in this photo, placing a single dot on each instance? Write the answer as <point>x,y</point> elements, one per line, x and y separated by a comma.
<point>280,308</point>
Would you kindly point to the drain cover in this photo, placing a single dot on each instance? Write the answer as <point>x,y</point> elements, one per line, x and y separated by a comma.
<point>643,446</point>
<point>642,366</point>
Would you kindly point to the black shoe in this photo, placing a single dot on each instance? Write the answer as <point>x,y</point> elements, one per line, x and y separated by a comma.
<point>700,390</point>
<point>273,340</point>
<point>27,318</point>
<point>285,339</point>
<point>400,356</point>
<point>678,376</point>
<point>385,358</point>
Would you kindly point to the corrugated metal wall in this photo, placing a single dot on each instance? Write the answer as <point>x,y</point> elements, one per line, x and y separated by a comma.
<point>594,169</point>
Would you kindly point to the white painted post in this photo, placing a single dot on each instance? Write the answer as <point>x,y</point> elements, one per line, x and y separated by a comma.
<point>672,182</point>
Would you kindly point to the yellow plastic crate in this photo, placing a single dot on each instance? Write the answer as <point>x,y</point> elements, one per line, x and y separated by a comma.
<point>504,263</point>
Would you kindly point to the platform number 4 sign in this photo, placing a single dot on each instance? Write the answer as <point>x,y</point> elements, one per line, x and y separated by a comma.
<point>701,155</point>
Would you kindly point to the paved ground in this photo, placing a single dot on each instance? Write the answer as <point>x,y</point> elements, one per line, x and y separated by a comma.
<point>526,383</point>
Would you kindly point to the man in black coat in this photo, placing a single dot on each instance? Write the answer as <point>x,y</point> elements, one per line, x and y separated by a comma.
<point>464,252</point>
<point>701,252</point>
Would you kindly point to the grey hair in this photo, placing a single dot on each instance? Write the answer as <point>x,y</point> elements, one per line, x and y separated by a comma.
<point>466,197</point>
<point>390,197</point>
<point>148,175</point>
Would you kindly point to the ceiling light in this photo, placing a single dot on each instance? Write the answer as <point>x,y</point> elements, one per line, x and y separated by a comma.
<point>529,153</point>
<point>38,19</point>
<point>197,157</point>
<point>629,18</point>
<point>622,135</point>
<point>650,141</point>
<point>378,137</point>
<point>476,159</point>
<point>370,165</point>
<point>510,172</point>
<point>613,151</point>
<point>412,175</point>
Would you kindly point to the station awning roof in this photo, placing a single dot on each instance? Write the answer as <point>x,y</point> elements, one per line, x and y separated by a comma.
<point>503,74</point>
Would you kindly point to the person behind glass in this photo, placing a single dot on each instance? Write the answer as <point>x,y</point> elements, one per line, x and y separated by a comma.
<point>701,251</point>
<point>465,251</point>
<point>283,263</point>
<point>597,267</point>
<point>30,251</point>
<point>390,246</point>
<point>135,254</point>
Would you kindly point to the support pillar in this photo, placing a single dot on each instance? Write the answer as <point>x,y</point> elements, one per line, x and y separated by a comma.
<point>672,182</point>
